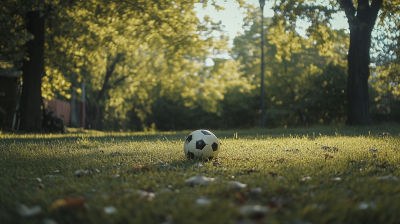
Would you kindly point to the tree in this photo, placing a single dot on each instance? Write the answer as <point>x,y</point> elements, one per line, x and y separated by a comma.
<point>32,73</point>
<point>295,69</point>
<point>362,16</point>
<point>105,43</point>
<point>361,23</point>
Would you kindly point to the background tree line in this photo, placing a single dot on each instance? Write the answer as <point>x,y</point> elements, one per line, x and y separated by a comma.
<point>144,63</point>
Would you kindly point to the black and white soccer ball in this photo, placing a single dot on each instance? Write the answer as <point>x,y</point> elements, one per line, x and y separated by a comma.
<point>201,144</point>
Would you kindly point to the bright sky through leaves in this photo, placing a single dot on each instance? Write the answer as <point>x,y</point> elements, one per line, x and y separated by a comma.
<point>232,18</point>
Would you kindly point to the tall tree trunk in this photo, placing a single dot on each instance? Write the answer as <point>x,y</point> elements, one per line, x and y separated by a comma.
<point>358,69</point>
<point>96,109</point>
<point>32,73</point>
<point>361,23</point>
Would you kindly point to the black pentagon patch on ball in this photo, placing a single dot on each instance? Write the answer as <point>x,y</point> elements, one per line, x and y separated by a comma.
<point>190,155</point>
<point>189,138</point>
<point>200,144</point>
<point>214,146</point>
<point>205,132</point>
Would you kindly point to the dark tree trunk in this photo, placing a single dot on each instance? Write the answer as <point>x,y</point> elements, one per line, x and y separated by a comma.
<point>361,23</point>
<point>95,110</point>
<point>32,73</point>
<point>358,69</point>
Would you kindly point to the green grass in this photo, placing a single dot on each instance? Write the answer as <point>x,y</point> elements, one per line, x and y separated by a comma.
<point>287,173</point>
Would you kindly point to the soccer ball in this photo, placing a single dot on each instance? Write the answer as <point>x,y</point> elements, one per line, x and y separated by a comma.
<point>201,144</point>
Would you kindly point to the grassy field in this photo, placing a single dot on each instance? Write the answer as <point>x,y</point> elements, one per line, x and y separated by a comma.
<point>300,176</point>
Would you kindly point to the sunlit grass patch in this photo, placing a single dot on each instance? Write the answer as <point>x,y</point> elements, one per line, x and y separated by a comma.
<point>309,175</point>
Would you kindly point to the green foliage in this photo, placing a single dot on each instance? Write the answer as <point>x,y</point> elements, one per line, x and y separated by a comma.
<point>325,100</point>
<point>297,78</point>
<point>318,175</point>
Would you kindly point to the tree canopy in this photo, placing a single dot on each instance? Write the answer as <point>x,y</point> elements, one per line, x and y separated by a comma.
<point>144,62</point>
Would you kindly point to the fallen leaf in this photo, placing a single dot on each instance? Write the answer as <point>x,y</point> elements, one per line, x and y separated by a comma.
<point>240,198</point>
<point>168,167</point>
<point>59,203</point>
<point>216,163</point>
<point>273,174</point>
<point>54,177</point>
<point>21,178</point>
<point>82,173</point>
<point>23,210</point>
<point>49,221</point>
<point>388,178</point>
<point>95,170</point>
<point>336,179</point>
<point>199,180</point>
<point>236,185</point>
<point>382,166</point>
<point>198,165</point>
<point>329,149</point>
<point>383,134</point>
<point>253,210</point>
<point>327,156</point>
<point>365,205</point>
<point>305,178</point>
<point>281,160</point>
<point>144,168</point>
<point>372,150</point>
<point>110,210</point>
<point>255,191</point>
<point>76,203</point>
<point>251,170</point>
<point>203,201</point>
<point>146,194</point>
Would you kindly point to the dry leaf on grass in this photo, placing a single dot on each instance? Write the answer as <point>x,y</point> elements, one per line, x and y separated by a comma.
<point>383,134</point>
<point>273,174</point>
<point>199,180</point>
<point>82,173</point>
<point>388,178</point>
<point>382,166</point>
<point>281,160</point>
<point>255,191</point>
<point>23,210</point>
<point>237,185</point>
<point>146,194</point>
<point>203,201</point>
<point>76,203</point>
<point>251,170</point>
<point>327,156</point>
<point>110,210</point>
<point>144,168</point>
<point>49,221</point>
<point>240,198</point>
<point>199,165</point>
<point>168,167</point>
<point>305,178</point>
<point>253,210</point>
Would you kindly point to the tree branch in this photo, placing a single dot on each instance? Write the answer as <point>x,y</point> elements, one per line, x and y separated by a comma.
<point>109,72</point>
<point>349,10</point>
<point>373,13</point>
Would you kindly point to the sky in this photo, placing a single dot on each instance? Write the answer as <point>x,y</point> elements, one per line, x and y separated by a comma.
<point>232,18</point>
